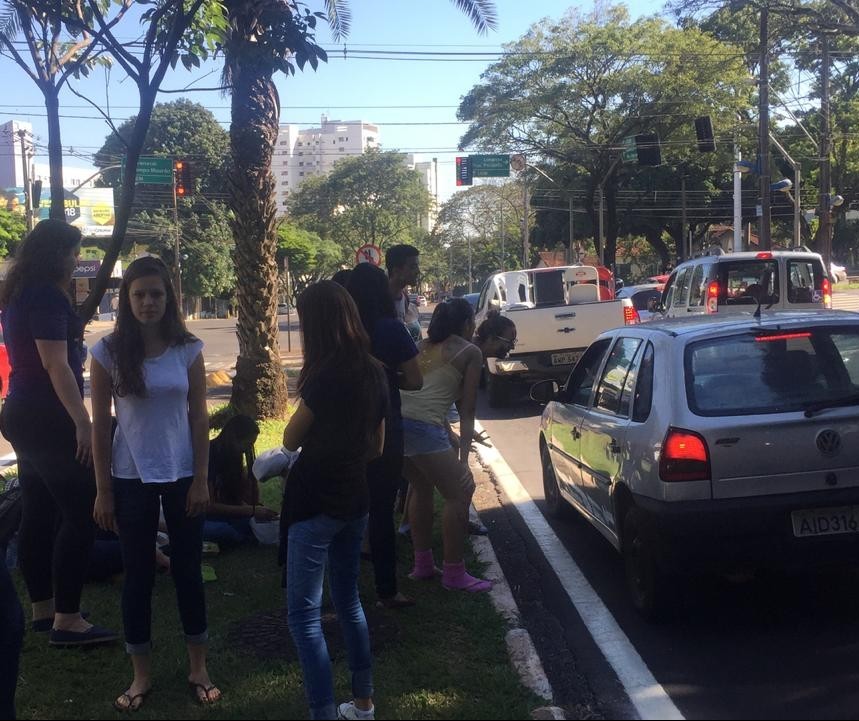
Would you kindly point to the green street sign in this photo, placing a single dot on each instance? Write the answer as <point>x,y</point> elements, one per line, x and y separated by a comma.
<point>630,151</point>
<point>154,170</point>
<point>490,166</point>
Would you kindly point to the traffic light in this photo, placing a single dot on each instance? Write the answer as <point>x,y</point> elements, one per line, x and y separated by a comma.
<point>647,149</point>
<point>183,179</point>
<point>704,133</point>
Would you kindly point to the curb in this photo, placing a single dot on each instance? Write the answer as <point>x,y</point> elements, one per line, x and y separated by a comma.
<point>520,647</point>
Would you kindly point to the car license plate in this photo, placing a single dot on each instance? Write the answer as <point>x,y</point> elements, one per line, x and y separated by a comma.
<point>563,359</point>
<point>825,521</point>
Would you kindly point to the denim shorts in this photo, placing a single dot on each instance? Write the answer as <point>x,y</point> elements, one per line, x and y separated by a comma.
<point>421,438</point>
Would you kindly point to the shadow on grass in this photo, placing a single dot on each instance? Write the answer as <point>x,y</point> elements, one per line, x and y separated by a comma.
<point>445,658</point>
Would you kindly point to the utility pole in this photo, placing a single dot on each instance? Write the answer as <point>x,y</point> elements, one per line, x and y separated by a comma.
<point>765,239</point>
<point>177,269</point>
<point>825,167</point>
<point>28,198</point>
<point>526,245</point>
<point>738,200</point>
<point>797,179</point>
<point>683,219</point>
<point>572,234</point>
<point>501,208</point>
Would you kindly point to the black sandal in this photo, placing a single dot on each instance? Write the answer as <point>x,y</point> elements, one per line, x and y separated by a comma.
<point>204,700</point>
<point>130,701</point>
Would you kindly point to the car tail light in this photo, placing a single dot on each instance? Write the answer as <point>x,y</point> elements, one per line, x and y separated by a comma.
<point>713,297</point>
<point>827,293</point>
<point>684,457</point>
<point>630,315</point>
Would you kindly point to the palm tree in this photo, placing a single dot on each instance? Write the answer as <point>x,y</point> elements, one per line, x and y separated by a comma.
<point>265,37</point>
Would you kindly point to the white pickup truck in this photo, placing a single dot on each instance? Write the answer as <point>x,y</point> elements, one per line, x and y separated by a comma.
<point>557,312</point>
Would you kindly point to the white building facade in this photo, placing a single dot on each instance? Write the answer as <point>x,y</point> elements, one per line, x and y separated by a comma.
<point>12,165</point>
<point>428,170</point>
<point>302,153</point>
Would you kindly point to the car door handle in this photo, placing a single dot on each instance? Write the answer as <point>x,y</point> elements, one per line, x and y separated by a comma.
<point>576,433</point>
<point>613,447</point>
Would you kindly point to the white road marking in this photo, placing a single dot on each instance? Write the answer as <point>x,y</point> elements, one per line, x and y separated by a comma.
<point>645,692</point>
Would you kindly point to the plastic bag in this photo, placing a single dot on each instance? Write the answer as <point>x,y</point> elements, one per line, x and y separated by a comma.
<point>274,462</point>
<point>268,533</point>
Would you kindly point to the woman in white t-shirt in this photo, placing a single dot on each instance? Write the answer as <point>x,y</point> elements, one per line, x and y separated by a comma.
<point>153,370</point>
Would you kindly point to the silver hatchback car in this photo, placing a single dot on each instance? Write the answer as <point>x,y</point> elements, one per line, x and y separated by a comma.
<point>711,443</point>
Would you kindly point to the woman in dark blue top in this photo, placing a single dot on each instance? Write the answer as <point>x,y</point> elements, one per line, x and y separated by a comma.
<point>391,344</point>
<point>45,420</point>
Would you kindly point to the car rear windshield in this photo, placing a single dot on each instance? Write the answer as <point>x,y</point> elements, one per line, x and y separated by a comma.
<point>642,298</point>
<point>741,282</point>
<point>805,281</point>
<point>772,371</point>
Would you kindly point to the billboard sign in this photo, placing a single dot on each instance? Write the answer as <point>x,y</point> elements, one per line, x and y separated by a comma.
<point>90,209</point>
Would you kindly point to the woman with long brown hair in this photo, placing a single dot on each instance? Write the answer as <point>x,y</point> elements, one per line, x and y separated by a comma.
<point>153,371</point>
<point>45,420</point>
<point>339,425</point>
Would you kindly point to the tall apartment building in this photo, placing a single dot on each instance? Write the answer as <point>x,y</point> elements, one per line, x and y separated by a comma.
<point>12,167</point>
<point>428,170</point>
<point>301,154</point>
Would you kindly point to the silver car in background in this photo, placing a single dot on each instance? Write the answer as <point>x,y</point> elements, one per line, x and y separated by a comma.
<point>711,443</point>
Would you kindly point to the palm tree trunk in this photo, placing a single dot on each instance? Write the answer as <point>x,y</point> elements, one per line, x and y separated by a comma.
<point>259,388</point>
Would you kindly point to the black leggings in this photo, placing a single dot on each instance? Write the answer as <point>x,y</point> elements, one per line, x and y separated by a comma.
<point>57,530</point>
<point>383,481</point>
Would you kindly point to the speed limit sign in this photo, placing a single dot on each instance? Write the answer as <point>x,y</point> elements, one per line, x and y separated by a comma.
<point>369,254</point>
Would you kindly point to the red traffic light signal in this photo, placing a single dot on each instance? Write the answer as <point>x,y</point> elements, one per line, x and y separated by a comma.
<point>182,176</point>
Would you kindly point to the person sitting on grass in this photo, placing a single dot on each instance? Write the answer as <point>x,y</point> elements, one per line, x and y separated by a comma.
<point>233,489</point>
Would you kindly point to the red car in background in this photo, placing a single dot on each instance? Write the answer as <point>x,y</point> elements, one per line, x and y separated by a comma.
<point>4,368</point>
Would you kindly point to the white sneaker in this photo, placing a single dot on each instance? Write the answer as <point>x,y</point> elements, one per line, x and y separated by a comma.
<point>351,711</point>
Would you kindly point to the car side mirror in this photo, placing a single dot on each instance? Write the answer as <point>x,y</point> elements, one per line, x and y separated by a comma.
<point>618,284</point>
<point>545,391</point>
<point>654,305</point>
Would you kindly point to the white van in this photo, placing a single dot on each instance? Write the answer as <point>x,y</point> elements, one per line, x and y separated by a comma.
<point>735,282</point>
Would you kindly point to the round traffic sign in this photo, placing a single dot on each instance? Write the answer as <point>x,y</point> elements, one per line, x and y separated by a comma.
<point>369,254</point>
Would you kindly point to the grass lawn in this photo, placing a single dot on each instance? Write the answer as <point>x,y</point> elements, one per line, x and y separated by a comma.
<point>444,659</point>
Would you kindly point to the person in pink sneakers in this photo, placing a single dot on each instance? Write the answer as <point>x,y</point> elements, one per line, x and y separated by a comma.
<point>451,367</point>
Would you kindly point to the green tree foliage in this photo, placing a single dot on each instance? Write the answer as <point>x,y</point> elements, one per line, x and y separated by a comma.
<point>569,92</point>
<point>370,198</point>
<point>182,129</point>
<point>205,245</point>
<point>57,46</point>
<point>308,257</point>
<point>12,231</point>
<point>475,218</point>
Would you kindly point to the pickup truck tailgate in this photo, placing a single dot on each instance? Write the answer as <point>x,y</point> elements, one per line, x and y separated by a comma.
<point>564,327</point>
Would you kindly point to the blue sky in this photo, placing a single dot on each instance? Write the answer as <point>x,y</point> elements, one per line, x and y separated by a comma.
<point>427,92</point>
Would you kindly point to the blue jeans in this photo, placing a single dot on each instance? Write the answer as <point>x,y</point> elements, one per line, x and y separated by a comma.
<point>227,532</point>
<point>311,544</point>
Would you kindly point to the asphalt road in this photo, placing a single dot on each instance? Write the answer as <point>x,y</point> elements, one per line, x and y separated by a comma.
<point>773,646</point>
